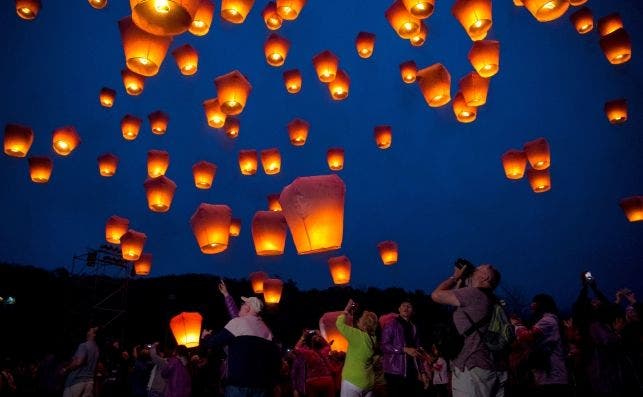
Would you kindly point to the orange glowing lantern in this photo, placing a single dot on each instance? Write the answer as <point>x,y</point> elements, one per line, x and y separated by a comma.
<point>186,328</point>
<point>617,46</point>
<point>298,132</point>
<point>485,57</point>
<point>577,2</point>
<point>143,265</point>
<point>256,280</point>
<point>235,11</point>
<point>289,9</point>
<point>609,23</point>
<point>204,173</point>
<point>616,111</point>
<point>17,140</point>
<point>158,122</point>
<point>144,52</point>
<point>383,136</point>
<point>213,114</point>
<point>335,159</point>
<point>164,17</point>
<point>463,112</point>
<point>159,192</point>
<point>107,164</point>
<point>474,16</point>
<point>409,71</point>
<point>518,3</point>
<point>339,86</point>
<point>248,162</point>
<point>328,329</point>
<point>270,16</point>
<point>202,21</point>
<point>420,9</point>
<point>293,80</point>
<point>40,168</point>
<point>276,49</point>
<point>115,228</point>
<point>272,289</point>
<point>64,140</point>
<point>546,10</point>
<point>537,152</point>
<point>401,20</point>
<point>28,9</point>
<point>231,127</point>
<point>134,83</point>
<point>540,180</point>
<point>583,20</point>
<point>273,202</point>
<point>340,269</point>
<point>157,163</point>
<point>365,44</point>
<point>474,89</point>
<point>130,126</point>
<point>418,39</point>
<point>388,252</point>
<point>235,227</point>
<point>211,227</point>
<point>132,243</point>
<point>271,161</point>
<point>107,97</point>
<point>269,233</point>
<point>98,4</point>
<point>314,209</point>
<point>326,64</point>
<point>233,89</point>
<point>187,59</point>
<point>514,162</point>
<point>435,83</point>
<point>633,208</point>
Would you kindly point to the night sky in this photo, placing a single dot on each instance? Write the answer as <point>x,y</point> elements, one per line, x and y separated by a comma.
<point>439,191</point>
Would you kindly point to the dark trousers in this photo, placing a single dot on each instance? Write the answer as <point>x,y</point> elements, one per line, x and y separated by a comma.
<point>400,386</point>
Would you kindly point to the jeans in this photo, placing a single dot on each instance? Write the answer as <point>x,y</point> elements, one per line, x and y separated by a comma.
<point>478,382</point>
<point>236,391</point>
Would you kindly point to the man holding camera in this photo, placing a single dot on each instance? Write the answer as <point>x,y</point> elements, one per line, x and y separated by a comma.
<point>475,372</point>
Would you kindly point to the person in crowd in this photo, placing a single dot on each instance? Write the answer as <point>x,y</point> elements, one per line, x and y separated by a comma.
<point>311,371</point>
<point>140,373</point>
<point>80,371</point>
<point>475,372</point>
<point>176,374</point>
<point>440,373</point>
<point>156,383</point>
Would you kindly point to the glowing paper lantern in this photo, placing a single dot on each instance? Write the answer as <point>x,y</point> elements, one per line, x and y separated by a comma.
<point>537,152</point>
<point>474,89</point>
<point>158,122</point>
<point>633,208</point>
<point>40,168</point>
<point>314,209</point>
<point>616,111</point>
<point>133,82</point>
<point>157,163</point>
<point>204,173</point>
<point>130,126</point>
<point>144,52</point>
<point>463,112</point>
<point>540,180</point>
<point>609,23</point>
<point>485,57</point>
<point>213,114</point>
<point>248,162</point>
<point>474,16</point>
<point>270,16</point>
<point>202,21</point>
<point>340,269</point>
<point>256,280</point>
<point>514,162</point>
<point>546,10</point>
<point>271,161</point>
<point>435,84</point>
<point>577,2</point>
<point>365,44</point>
<point>211,227</point>
<point>518,3</point>
<point>143,265</point>
<point>272,289</point>
<point>339,86</point>
<point>235,11</point>
<point>289,9</point>
<point>420,8</point>
<point>273,202</point>
<point>17,140</point>
<point>107,97</point>
<point>231,127</point>
<point>383,136</point>
<point>159,192</point>
<point>28,9</point>
<point>186,328</point>
<point>115,228</point>
<point>107,164</point>
<point>233,89</point>
<point>235,227</point>
<point>187,59</point>
<point>298,132</point>
<point>335,159</point>
<point>617,46</point>
<point>419,38</point>
<point>401,20</point>
<point>292,80</point>
<point>269,233</point>
<point>329,331</point>
<point>583,20</point>
<point>276,49</point>
<point>388,252</point>
<point>64,140</point>
<point>98,4</point>
<point>409,71</point>
<point>132,243</point>
<point>164,17</point>
<point>326,64</point>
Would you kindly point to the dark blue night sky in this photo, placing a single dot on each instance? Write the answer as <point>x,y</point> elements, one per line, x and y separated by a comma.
<point>440,191</point>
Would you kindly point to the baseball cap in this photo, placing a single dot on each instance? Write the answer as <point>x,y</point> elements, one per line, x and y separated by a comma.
<point>254,303</point>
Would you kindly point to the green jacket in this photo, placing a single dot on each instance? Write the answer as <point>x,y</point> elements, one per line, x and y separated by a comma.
<point>358,367</point>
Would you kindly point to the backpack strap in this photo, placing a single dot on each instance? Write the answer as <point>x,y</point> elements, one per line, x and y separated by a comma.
<point>475,326</point>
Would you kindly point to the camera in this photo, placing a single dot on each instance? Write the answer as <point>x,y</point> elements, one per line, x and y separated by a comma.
<point>468,267</point>
<point>588,276</point>
<point>311,332</point>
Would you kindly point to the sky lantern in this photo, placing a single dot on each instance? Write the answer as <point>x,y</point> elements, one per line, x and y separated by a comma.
<point>583,20</point>
<point>272,289</point>
<point>158,122</point>
<point>273,202</point>
<point>186,328</point>
<point>235,11</point>
<point>339,86</point>
<point>187,59</point>
<point>401,20</point>
<point>326,64</point>
<point>463,112</point>
<point>616,111</point>
<point>211,226</point>
<point>474,89</point>
<point>514,162</point>
<point>202,21</point>
<point>28,9</point>
<point>609,24</point>
<point>269,232</point>
<point>233,89</point>
<point>231,127</point>
<point>340,269</point>
<point>383,135</point>
<point>107,164</point>
<point>235,227</point>
<point>204,173</point>
<point>537,152</point>
<point>435,83</point>
<point>143,265</point>
<point>271,161</point>
<point>335,158</point>
<point>617,46</point>
<point>298,132</point>
<point>213,113</point>
<point>329,331</point>
<point>256,280</point>
<point>115,228</point>
<point>546,10</point>
<point>293,80</point>
<point>314,209</point>
<point>633,208</point>
<point>276,49</point>
<point>144,52</point>
<point>248,162</point>
<point>365,44</point>
<point>159,192</point>
<point>474,16</point>
<point>485,57</point>
<point>289,9</point>
<point>133,82</point>
<point>157,163</point>
<point>17,140</point>
<point>420,9</point>
<point>132,243</point>
<point>40,168</point>
<point>388,252</point>
<point>540,180</point>
<point>518,3</point>
<point>64,140</point>
<point>270,16</point>
<point>164,17</point>
<point>409,71</point>
<point>418,39</point>
<point>130,126</point>
<point>106,97</point>
<point>577,2</point>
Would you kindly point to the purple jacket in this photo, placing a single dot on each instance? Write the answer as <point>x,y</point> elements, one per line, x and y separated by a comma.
<point>392,344</point>
<point>178,382</point>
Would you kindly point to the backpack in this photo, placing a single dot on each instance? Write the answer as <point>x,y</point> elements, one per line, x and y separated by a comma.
<point>500,333</point>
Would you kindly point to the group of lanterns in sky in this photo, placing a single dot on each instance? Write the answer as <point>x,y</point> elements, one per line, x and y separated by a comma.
<point>538,154</point>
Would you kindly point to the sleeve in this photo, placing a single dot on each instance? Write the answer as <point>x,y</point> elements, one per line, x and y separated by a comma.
<point>547,326</point>
<point>387,340</point>
<point>167,371</point>
<point>466,296</point>
<point>233,310</point>
<point>81,353</point>
<point>221,339</point>
<point>350,333</point>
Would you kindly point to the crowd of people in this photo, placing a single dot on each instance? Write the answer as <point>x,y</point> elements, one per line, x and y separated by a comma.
<point>597,351</point>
